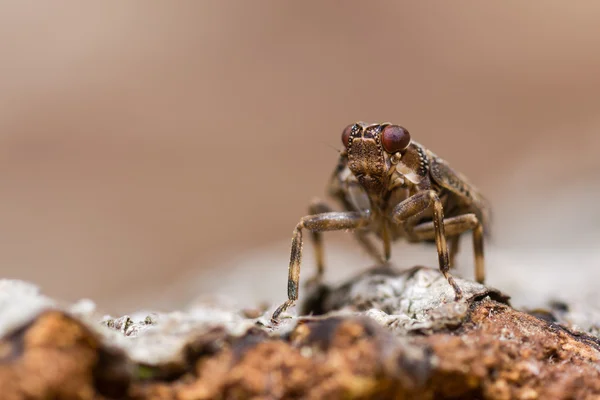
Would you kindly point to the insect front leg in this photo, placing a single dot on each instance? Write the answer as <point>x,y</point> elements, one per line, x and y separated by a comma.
<point>330,221</point>
<point>454,227</point>
<point>418,203</point>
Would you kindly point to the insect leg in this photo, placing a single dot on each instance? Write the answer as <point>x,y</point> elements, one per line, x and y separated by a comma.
<point>330,221</point>
<point>454,227</point>
<point>362,237</point>
<point>367,244</point>
<point>418,203</point>
<point>318,207</point>
<point>454,246</point>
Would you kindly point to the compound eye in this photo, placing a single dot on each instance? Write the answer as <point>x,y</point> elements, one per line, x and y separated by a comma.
<point>395,138</point>
<point>346,135</point>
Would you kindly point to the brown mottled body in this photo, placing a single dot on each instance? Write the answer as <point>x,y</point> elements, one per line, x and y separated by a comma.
<point>394,188</point>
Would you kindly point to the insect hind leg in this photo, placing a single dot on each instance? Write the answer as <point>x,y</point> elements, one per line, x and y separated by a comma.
<point>455,226</point>
<point>405,212</point>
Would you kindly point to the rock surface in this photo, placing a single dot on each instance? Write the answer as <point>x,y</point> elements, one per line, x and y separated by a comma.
<point>383,334</point>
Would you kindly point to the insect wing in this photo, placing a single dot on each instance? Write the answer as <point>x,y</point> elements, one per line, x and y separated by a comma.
<point>457,183</point>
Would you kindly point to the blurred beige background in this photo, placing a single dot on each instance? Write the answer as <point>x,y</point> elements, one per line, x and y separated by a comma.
<point>152,152</point>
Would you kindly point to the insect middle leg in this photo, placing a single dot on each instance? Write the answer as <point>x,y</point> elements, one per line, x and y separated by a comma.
<point>454,227</point>
<point>330,221</point>
<point>454,246</point>
<point>415,205</point>
<point>319,207</point>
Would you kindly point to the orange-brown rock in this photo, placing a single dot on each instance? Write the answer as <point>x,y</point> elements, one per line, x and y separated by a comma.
<point>491,352</point>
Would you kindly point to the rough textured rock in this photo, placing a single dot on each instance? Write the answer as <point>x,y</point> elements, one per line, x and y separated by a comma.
<point>57,357</point>
<point>383,334</point>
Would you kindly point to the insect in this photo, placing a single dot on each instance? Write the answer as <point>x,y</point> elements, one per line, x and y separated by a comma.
<point>393,187</point>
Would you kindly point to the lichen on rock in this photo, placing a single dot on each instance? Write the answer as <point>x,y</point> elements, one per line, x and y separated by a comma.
<point>382,334</point>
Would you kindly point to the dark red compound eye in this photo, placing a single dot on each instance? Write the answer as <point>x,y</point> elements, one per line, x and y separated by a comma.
<point>346,135</point>
<point>395,138</point>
